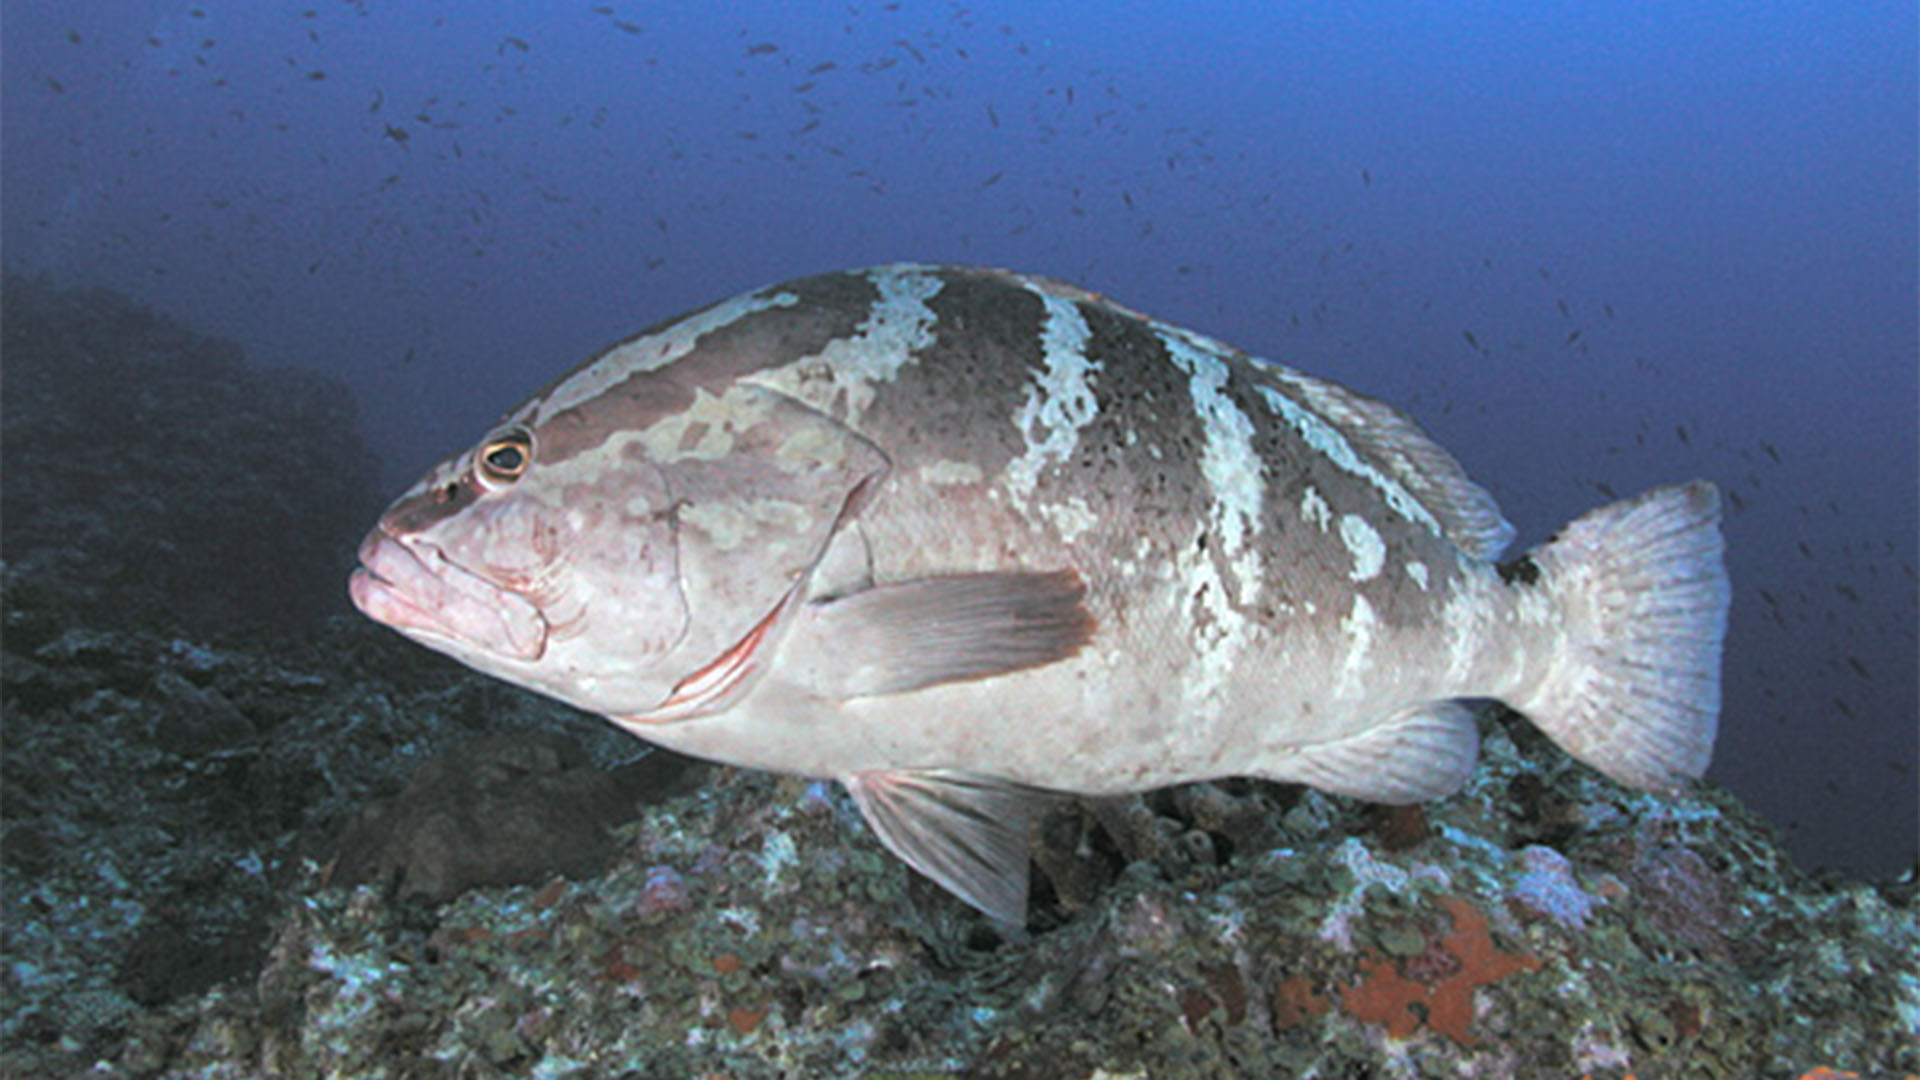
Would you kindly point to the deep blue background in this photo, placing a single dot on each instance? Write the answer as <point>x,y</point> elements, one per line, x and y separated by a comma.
<point>1682,238</point>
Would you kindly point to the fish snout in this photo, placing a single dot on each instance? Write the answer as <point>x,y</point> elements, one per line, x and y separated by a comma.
<point>415,589</point>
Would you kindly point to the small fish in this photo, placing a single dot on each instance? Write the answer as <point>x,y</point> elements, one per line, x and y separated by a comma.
<point>966,539</point>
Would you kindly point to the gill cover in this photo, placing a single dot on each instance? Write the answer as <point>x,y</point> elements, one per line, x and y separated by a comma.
<point>763,486</point>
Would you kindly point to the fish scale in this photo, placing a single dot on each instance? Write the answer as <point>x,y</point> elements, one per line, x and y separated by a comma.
<point>965,539</point>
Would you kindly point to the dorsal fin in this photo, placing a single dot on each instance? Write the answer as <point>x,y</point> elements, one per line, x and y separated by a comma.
<point>1389,440</point>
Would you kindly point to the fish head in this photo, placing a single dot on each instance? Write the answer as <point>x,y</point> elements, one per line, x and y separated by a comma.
<point>561,579</point>
<point>632,551</point>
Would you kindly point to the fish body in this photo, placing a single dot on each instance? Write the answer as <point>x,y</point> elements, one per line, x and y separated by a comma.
<point>960,537</point>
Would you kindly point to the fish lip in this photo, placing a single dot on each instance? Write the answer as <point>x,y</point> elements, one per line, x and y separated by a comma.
<point>415,589</point>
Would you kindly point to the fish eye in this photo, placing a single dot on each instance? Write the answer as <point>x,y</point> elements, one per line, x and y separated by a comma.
<point>503,458</point>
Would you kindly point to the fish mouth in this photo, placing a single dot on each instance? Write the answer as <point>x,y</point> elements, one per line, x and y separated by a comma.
<point>422,594</point>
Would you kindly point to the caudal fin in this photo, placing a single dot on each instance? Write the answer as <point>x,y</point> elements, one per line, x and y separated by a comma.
<point>1642,588</point>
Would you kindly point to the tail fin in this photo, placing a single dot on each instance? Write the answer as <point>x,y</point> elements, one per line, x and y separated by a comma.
<point>1643,591</point>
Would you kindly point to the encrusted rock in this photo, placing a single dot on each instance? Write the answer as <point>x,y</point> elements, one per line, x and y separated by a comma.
<point>500,810</point>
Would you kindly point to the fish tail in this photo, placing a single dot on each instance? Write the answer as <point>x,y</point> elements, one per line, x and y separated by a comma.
<point>1641,587</point>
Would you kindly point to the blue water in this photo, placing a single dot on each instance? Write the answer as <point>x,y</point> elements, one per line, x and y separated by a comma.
<point>1590,247</point>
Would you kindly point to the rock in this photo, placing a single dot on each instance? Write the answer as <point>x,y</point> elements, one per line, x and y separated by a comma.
<point>170,959</point>
<point>198,720</point>
<point>163,479</point>
<point>162,797</point>
<point>754,928</point>
<point>500,810</point>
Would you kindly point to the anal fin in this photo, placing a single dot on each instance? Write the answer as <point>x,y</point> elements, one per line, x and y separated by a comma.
<point>966,831</point>
<point>1420,753</point>
<point>906,635</point>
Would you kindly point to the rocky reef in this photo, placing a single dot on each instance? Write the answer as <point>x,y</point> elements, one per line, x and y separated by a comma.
<point>158,478</point>
<point>184,825</point>
<point>331,853</point>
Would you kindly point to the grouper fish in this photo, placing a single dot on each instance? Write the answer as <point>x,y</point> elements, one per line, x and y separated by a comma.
<point>965,539</point>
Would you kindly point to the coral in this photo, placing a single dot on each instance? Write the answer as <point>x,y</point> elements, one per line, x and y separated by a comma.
<point>1547,888</point>
<point>1297,1001</point>
<point>1428,980</point>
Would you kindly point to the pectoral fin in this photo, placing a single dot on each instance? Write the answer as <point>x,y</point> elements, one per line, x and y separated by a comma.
<point>912,634</point>
<point>966,831</point>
